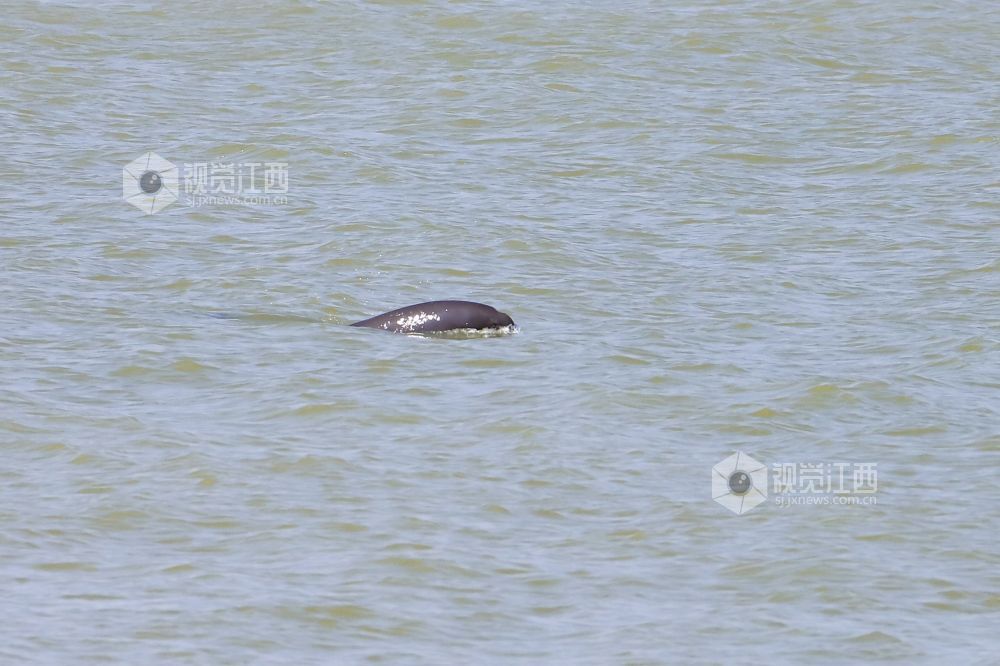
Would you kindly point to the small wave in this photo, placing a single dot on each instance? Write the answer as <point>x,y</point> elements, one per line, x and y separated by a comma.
<point>468,333</point>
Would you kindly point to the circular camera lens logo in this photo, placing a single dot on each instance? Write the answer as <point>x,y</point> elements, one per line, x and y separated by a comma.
<point>150,183</point>
<point>739,483</point>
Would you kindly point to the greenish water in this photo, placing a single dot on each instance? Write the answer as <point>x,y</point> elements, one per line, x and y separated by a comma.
<point>726,226</point>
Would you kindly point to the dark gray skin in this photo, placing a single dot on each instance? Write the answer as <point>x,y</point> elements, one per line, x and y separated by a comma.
<point>439,316</point>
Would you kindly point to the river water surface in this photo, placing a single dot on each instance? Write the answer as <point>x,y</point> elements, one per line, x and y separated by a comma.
<point>721,226</point>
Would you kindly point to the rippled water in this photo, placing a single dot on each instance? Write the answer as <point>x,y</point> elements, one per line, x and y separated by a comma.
<point>757,226</point>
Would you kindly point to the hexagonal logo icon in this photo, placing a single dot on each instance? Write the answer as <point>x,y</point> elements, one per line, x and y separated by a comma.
<point>149,183</point>
<point>739,483</point>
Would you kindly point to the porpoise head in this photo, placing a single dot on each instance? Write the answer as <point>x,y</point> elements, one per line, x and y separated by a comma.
<point>499,319</point>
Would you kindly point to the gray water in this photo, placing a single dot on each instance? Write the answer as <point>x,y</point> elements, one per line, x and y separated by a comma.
<point>726,226</point>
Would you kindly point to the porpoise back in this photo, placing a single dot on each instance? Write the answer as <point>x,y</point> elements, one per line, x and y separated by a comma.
<point>439,316</point>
